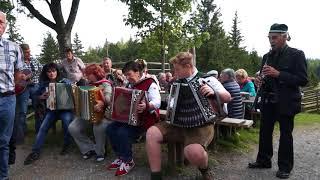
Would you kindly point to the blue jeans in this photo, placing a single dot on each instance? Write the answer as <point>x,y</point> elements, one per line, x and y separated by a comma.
<point>121,137</point>
<point>20,124</point>
<point>66,117</point>
<point>7,110</point>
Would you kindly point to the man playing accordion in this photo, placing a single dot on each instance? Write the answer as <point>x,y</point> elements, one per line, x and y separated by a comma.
<point>195,139</point>
<point>122,135</point>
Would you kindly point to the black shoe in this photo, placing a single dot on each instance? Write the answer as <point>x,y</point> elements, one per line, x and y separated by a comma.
<point>282,174</point>
<point>259,165</point>
<point>12,159</point>
<point>65,150</point>
<point>31,158</point>
<point>89,154</point>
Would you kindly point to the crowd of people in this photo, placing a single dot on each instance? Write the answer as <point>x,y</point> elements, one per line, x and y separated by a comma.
<point>19,69</point>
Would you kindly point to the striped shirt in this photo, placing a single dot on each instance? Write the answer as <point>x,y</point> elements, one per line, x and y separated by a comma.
<point>10,60</point>
<point>35,67</point>
<point>235,106</point>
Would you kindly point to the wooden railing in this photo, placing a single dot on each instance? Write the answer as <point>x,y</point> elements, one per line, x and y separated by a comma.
<point>310,100</point>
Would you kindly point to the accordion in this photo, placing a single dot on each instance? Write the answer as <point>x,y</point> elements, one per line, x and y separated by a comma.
<point>85,98</point>
<point>124,105</point>
<point>187,107</point>
<point>60,96</point>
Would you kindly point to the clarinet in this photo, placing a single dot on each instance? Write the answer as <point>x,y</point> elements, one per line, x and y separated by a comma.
<point>260,89</point>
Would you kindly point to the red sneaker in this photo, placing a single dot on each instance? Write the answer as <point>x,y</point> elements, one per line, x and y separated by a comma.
<point>124,168</point>
<point>115,164</point>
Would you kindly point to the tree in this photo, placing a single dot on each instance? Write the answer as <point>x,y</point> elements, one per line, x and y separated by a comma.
<point>7,7</point>
<point>49,49</point>
<point>161,17</point>
<point>62,28</point>
<point>235,35</point>
<point>77,46</point>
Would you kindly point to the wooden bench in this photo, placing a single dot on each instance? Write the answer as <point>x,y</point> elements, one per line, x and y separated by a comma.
<point>232,123</point>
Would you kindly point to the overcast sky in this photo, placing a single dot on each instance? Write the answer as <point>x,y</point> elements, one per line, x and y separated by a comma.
<point>104,19</point>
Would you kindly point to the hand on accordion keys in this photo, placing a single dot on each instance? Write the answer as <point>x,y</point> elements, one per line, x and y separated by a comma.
<point>99,106</point>
<point>141,106</point>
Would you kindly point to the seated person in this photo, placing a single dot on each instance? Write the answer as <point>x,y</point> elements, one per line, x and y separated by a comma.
<point>245,84</point>
<point>213,73</point>
<point>50,74</point>
<point>163,81</point>
<point>96,77</point>
<point>122,135</point>
<point>235,107</point>
<point>195,139</point>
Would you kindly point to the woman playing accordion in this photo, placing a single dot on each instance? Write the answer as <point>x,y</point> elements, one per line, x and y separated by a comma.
<point>96,77</point>
<point>50,74</point>
<point>122,135</point>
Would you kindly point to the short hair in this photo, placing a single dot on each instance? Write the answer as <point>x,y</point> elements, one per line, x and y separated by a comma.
<point>24,47</point>
<point>182,58</point>
<point>242,73</point>
<point>161,74</point>
<point>143,63</point>
<point>96,70</point>
<point>68,49</point>
<point>229,72</point>
<point>107,58</point>
<point>132,66</point>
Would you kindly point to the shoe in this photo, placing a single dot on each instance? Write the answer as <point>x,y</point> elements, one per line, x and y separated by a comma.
<point>31,158</point>
<point>115,164</point>
<point>124,168</point>
<point>89,154</point>
<point>282,174</point>
<point>99,158</point>
<point>65,150</point>
<point>12,159</point>
<point>258,165</point>
<point>206,174</point>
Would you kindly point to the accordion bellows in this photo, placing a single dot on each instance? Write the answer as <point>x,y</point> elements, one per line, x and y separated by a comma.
<point>60,97</point>
<point>85,98</point>
<point>124,105</point>
<point>187,107</point>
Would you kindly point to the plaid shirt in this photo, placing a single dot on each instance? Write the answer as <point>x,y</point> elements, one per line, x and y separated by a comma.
<point>10,60</point>
<point>35,67</point>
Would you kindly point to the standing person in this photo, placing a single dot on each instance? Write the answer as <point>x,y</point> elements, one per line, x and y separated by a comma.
<point>122,135</point>
<point>235,106</point>
<point>284,70</point>
<point>195,139</point>
<point>96,77</point>
<point>107,67</point>
<point>73,67</point>
<point>10,64</point>
<point>26,92</point>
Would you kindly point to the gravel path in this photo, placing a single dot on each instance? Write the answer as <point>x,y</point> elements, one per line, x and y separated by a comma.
<point>231,166</point>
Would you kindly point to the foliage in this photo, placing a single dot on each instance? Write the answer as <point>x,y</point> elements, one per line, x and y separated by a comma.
<point>7,7</point>
<point>77,46</point>
<point>49,49</point>
<point>313,72</point>
<point>235,35</point>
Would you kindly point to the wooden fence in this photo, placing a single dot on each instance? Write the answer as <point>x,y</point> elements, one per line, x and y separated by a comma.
<point>310,99</point>
<point>153,67</point>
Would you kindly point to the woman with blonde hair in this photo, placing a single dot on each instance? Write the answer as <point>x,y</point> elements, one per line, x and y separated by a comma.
<point>246,85</point>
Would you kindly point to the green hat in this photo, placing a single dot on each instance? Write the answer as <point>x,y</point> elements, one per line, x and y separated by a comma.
<point>278,28</point>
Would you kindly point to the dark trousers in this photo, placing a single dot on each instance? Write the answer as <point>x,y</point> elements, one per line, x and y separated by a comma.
<point>285,153</point>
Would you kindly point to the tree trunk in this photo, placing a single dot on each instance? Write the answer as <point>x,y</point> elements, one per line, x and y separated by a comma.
<point>64,41</point>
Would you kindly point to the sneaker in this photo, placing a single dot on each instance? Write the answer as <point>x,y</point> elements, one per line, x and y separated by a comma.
<point>99,158</point>
<point>124,168</point>
<point>31,158</point>
<point>65,150</point>
<point>115,164</point>
<point>89,154</point>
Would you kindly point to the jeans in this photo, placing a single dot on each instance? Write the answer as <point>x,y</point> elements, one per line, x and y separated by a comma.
<point>66,117</point>
<point>20,124</point>
<point>121,137</point>
<point>7,111</point>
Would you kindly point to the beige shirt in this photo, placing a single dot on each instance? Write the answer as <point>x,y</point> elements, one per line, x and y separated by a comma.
<point>73,68</point>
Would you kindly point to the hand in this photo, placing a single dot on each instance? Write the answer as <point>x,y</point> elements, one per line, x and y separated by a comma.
<point>141,107</point>
<point>206,90</point>
<point>270,71</point>
<point>45,95</point>
<point>258,81</point>
<point>99,106</point>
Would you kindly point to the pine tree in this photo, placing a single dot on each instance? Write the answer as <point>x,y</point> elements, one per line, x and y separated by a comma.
<point>77,46</point>
<point>49,49</point>
<point>235,35</point>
